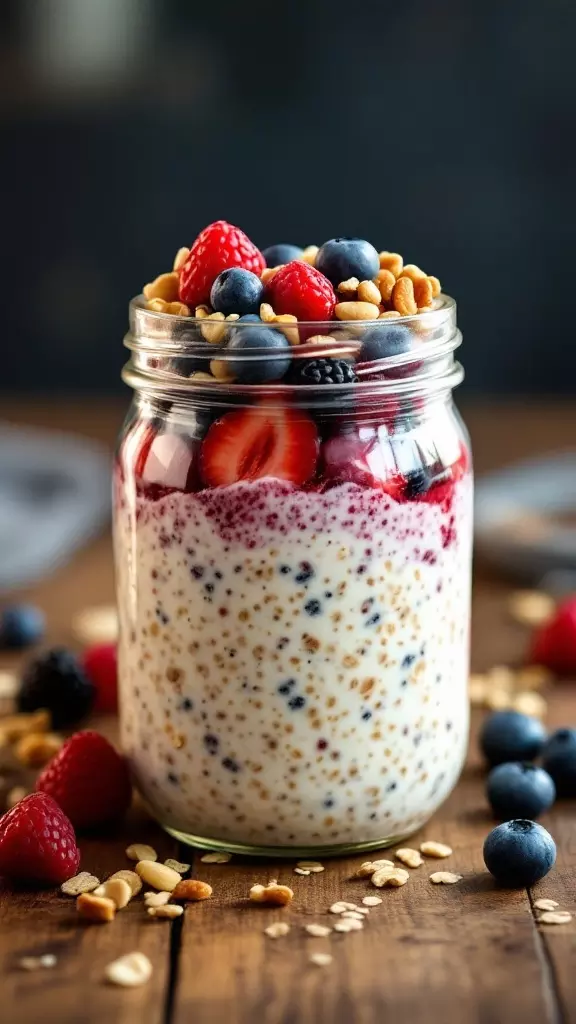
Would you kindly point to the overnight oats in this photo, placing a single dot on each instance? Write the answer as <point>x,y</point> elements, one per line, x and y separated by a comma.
<point>293,545</point>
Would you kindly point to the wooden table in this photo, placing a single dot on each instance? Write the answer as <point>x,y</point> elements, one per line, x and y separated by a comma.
<point>464,953</point>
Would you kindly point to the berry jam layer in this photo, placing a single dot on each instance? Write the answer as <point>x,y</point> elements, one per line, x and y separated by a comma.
<point>294,664</point>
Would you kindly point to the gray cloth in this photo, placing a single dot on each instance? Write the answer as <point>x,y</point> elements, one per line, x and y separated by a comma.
<point>54,495</point>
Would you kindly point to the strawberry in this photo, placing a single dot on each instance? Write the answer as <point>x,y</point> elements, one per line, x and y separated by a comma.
<point>100,666</point>
<point>89,780</point>
<point>218,247</point>
<point>299,289</point>
<point>37,842</point>
<point>249,444</point>
<point>554,643</point>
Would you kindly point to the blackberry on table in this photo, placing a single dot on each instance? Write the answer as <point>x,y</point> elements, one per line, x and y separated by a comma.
<point>55,681</point>
<point>324,371</point>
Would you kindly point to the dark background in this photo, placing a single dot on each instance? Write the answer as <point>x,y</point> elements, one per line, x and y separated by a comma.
<point>442,130</point>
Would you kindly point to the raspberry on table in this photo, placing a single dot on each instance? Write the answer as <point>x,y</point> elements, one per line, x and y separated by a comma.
<point>299,289</point>
<point>100,665</point>
<point>37,842</point>
<point>89,780</point>
<point>218,247</point>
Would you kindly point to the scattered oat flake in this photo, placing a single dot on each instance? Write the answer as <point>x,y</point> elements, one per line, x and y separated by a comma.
<point>337,908</point>
<point>390,877</point>
<point>166,910</point>
<point>216,857</point>
<point>277,930</point>
<point>372,901</point>
<point>9,685</point>
<point>319,931</point>
<point>531,607</point>
<point>15,795</point>
<point>370,866</point>
<point>545,904</point>
<point>348,926</point>
<point>177,865</point>
<point>433,849</point>
<point>157,899</point>
<point>83,882</point>
<point>37,963</point>
<point>130,970</point>
<point>313,866</point>
<point>555,917</point>
<point>141,851</point>
<point>98,625</point>
<point>320,959</point>
<point>412,858</point>
<point>445,878</point>
<point>301,871</point>
<point>530,703</point>
<point>353,915</point>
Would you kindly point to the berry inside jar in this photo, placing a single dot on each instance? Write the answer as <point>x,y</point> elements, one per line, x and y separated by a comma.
<point>293,541</point>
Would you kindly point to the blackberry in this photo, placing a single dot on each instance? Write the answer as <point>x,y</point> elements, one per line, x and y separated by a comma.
<point>324,371</point>
<point>55,681</point>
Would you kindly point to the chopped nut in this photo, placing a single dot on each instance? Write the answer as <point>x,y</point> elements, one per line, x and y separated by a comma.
<point>413,272</point>
<point>268,273</point>
<point>423,293</point>
<point>369,292</point>
<point>433,849</point>
<point>9,685</point>
<point>157,899</point>
<point>436,286</point>
<point>349,287</point>
<point>411,858</point>
<point>158,875</point>
<point>201,312</point>
<point>545,904</point>
<point>216,858</point>
<point>356,311</point>
<point>130,970</point>
<point>201,375</point>
<point>115,889</point>
<point>83,882</point>
<point>338,908</point>
<point>445,878</point>
<point>287,323</point>
<point>157,305</point>
<point>533,677</point>
<point>178,309</point>
<point>213,328</point>
<point>134,880</point>
<point>220,369</point>
<point>180,258</point>
<point>95,908</point>
<point>320,959</point>
<point>14,727</point>
<point>555,917</point>
<point>36,749</point>
<point>310,253</point>
<point>97,625</point>
<point>176,865</point>
<point>319,931</point>
<point>370,866</point>
<point>267,314</point>
<point>371,901</point>
<point>272,893</point>
<point>277,929</point>
<point>321,339</point>
<point>37,963</point>
<point>353,915</point>
<point>403,297</point>
<point>301,871</point>
<point>531,607</point>
<point>313,866</point>
<point>389,314</point>
<point>15,795</point>
<point>497,699</point>
<point>348,926</point>
<point>391,261</point>
<point>390,877</point>
<point>530,704</point>
<point>163,287</point>
<point>166,910</point>
<point>385,281</point>
<point>141,851</point>
<point>192,890</point>
<point>477,690</point>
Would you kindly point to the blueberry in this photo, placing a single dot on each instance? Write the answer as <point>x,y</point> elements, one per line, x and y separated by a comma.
<point>21,625</point>
<point>275,255</point>
<point>519,853</point>
<point>341,258</point>
<point>559,760</point>
<point>258,367</point>
<point>383,342</point>
<point>417,483</point>
<point>55,680</point>
<point>519,790</point>
<point>236,291</point>
<point>251,318</point>
<point>511,736</point>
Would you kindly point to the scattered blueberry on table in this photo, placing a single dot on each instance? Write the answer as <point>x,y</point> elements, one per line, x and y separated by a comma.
<point>21,625</point>
<point>519,790</point>
<point>519,853</point>
<point>559,760</point>
<point>55,681</point>
<point>511,736</point>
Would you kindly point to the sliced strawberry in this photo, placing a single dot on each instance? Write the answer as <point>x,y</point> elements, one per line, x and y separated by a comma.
<point>249,444</point>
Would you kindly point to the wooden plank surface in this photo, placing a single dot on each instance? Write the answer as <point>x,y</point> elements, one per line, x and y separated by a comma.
<point>469,952</point>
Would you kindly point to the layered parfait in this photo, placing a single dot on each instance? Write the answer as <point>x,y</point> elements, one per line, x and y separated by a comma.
<point>293,533</point>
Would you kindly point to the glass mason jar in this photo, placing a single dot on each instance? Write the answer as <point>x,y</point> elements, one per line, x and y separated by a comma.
<point>293,566</point>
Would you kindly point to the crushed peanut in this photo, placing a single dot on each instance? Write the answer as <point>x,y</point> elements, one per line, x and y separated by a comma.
<point>141,851</point>
<point>117,890</point>
<point>313,866</point>
<point>320,959</point>
<point>15,795</point>
<point>83,882</point>
<point>201,312</point>
<point>356,311</point>
<point>435,285</point>
<point>318,931</point>
<point>201,375</point>
<point>180,258</point>
<point>445,878</point>
<point>433,849</point>
<point>385,281</point>
<point>14,727</point>
<point>287,323</point>
<point>267,314</point>
<point>530,703</point>
<point>369,292</point>
<point>166,910</point>
<point>220,369</point>
<point>348,926</point>
<point>177,309</point>
<point>546,904</point>
<point>403,297</point>
<point>95,908</point>
<point>134,880</point>
<point>165,287</point>
<point>423,296</point>
<point>371,901</point>
<point>157,305</point>
<point>213,328</point>
<point>158,875</point>
<point>176,865</point>
<point>389,314</point>
<point>555,917</point>
<point>310,253</point>
<point>98,625</point>
<point>277,930</point>
<point>280,895</point>
<point>216,857</point>
<point>413,272</point>
<point>531,607</point>
<point>192,890</point>
<point>349,287</point>
<point>391,261</point>
<point>389,877</point>
<point>37,963</point>
<point>412,858</point>
<point>130,970</point>
<point>268,273</point>
<point>36,749</point>
<point>157,899</point>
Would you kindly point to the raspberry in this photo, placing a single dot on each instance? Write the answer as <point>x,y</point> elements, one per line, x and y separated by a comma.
<point>303,291</point>
<point>37,842</point>
<point>100,665</point>
<point>554,643</point>
<point>89,780</point>
<point>218,247</point>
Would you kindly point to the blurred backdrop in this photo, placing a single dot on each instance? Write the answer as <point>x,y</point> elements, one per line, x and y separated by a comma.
<point>443,130</point>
